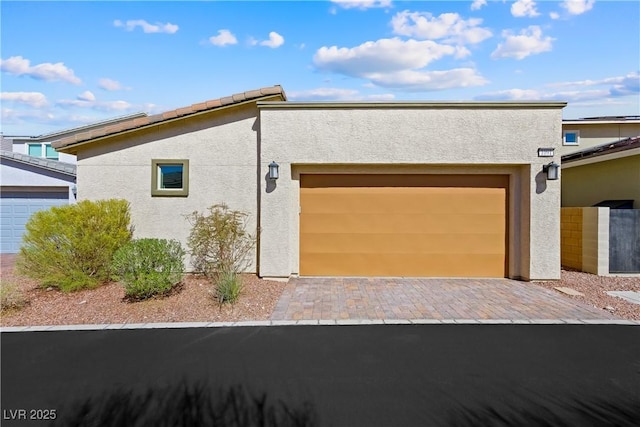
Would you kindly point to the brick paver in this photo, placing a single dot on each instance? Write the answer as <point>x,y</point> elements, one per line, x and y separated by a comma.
<point>324,298</point>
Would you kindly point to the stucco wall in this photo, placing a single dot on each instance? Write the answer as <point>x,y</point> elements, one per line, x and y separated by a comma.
<point>431,139</point>
<point>617,179</point>
<point>221,149</point>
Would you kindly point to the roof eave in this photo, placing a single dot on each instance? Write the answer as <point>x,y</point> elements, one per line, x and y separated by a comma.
<point>72,148</point>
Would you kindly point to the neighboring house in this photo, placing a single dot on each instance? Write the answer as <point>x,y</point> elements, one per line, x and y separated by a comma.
<point>443,189</point>
<point>34,176</point>
<point>609,172</point>
<point>30,184</point>
<point>582,134</point>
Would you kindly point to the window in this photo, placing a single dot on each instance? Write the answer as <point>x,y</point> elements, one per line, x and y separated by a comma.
<point>35,150</point>
<point>50,152</point>
<point>170,178</point>
<point>571,137</point>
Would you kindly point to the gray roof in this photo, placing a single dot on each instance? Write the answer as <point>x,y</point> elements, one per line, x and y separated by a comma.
<point>39,162</point>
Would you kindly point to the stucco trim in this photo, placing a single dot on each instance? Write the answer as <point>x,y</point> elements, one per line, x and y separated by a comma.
<point>412,105</point>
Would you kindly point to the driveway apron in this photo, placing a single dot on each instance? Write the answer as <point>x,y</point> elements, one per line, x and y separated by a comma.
<point>335,298</point>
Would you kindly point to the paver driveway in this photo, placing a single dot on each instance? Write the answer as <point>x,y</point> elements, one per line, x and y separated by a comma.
<point>425,298</point>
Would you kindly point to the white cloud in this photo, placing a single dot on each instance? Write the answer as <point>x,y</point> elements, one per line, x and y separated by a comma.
<point>554,15</point>
<point>578,91</point>
<point>528,42</point>
<point>362,4</point>
<point>384,55</point>
<point>397,63</point>
<point>110,85</point>
<point>275,40</point>
<point>224,37</point>
<point>158,27</point>
<point>448,26</point>
<point>577,7</point>
<point>477,4</point>
<point>19,66</point>
<point>522,8</point>
<point>88,100</point>
<point>336,94</point>
<point>628,84</point>
<point>418,80</point>
<point>31,99</point>
<point>86,96</point>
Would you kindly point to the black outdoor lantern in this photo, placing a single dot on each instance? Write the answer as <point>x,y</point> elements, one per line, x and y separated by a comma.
<point>273,170</point>
<point>551,170</point>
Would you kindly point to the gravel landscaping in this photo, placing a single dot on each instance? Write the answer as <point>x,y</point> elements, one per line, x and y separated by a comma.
<point>192,301</point>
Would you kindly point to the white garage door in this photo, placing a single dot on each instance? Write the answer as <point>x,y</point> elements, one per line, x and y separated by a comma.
<point>15,209</point>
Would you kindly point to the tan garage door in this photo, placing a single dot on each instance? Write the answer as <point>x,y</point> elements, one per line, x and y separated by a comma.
<point>403,225</point>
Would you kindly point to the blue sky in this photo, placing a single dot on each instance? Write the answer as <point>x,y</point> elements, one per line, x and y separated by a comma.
<point>68,64</point>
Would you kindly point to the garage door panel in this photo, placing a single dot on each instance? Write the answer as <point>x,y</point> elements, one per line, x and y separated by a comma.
<point>15,210</point>
<point>442,265</point>
<point>402,243</point>
<point>390,201</point>
<point>402,223</point>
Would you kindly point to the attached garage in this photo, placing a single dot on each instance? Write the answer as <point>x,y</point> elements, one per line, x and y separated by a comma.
<point>15,209</point>
<point>404,225</point>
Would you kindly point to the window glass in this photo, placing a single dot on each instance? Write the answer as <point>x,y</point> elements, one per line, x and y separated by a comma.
<point>51,152</point>
<point>571,138</point>
<point>170,176</point>
<point>35,150</point>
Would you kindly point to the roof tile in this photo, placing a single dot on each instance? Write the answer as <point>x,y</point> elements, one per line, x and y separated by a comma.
<point>168,115</point>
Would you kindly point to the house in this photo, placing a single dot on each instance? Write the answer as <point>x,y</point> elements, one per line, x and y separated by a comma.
<point>608,172</point>
<point>30,184</point>
<point>583,134</point>
<point>444,189</point>
<point>34,176</point>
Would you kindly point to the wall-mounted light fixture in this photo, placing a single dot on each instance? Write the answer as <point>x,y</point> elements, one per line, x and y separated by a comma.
<point>551,170</point>
<point>546,152</point>
<point>74,190</point>
<point>273,170</point>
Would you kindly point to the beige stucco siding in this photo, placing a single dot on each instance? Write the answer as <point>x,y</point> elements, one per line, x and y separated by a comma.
<point>221,149</point>
<point>588,184</point>
<point>592,134</point>
<point>390,139</point>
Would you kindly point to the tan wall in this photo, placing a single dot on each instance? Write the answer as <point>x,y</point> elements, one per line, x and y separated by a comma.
<point>221,149</point>
<point>388,139</point>
<point>571,237</point>
<point>598,133</point>
<point>589,184</point>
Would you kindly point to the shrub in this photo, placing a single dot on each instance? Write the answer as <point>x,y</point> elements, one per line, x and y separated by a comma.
<point>228,287</point>
<point>11,297</point>
<point>70,247</point>
<point>148,267</point>
<point>220,247</point>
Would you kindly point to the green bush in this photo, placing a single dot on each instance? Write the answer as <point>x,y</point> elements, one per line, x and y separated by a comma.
<point>148,267</point>
<point>220,246</point>
<point>11,297</point>
<point>70,247</point>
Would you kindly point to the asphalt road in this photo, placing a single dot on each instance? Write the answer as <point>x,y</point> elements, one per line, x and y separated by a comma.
<point>380,375</point>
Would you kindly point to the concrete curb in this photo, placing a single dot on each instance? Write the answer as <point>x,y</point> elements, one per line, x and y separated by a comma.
<point>316,322</point>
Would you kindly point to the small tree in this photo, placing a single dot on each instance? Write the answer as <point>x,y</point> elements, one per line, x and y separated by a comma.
<point>70,247</point>
<point>220,247</point>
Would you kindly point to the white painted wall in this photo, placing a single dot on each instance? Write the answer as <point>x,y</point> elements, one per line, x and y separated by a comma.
<point>24,177</point>
<point>456,139</point>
